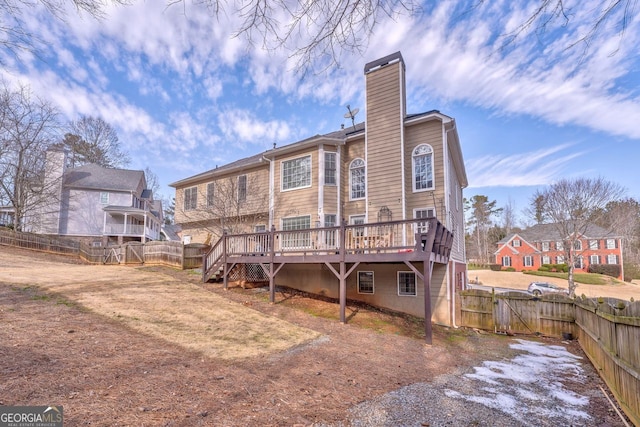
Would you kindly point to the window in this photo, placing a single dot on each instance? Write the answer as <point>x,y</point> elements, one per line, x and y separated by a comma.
<point>365,282</point>
<point>559,245</point>
<point>298,239</point>
<point>611,243</point>
<point>190,198</point>
<point>578,262</point>
<point>296,173</point>
<point>560,259</point>
<point>527,261</point>
<point>612,259</point>
<point>357,179</point>
<point>515,243</point>
<point>577,245</point>
<point>210,193</point>
<point>423,168</point>
<point>330,235</point>
<point>260,228</point>
<point>330,168</point>
<point>594,259</point>
<point>242,188</point>
<point>406,283</point>
<point>506,261</point>
<point>546,259</point>
<point>545,247</point>
<point>423,213</point>
<point>594,244</point>
<point>104,198</point>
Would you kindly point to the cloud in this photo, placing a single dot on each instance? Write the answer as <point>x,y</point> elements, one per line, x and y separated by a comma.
<point>241,126</point>
<point>532,168</point>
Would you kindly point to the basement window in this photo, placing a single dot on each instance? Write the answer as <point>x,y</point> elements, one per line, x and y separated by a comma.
<point>407,283</point>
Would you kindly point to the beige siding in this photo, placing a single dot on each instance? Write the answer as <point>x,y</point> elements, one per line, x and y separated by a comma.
<point>353,150</point>
<point>384,140</point>
<point>300,201</point>
<point>425,133</point>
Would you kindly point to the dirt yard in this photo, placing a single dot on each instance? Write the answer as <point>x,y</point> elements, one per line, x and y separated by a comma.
<point>152,346</point>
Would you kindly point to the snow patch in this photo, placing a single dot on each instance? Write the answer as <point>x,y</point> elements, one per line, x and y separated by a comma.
<point>531,383</point>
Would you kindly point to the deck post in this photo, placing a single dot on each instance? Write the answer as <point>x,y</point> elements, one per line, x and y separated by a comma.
<point>343,284</point>
<point>225,278</point>
<point>272,285</point>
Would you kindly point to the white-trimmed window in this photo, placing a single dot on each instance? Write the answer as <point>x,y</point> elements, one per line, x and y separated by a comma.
<point>611,243</point>
<point>104,198</point>
<point>423,213</point>
<point>330,169</point>
<point>242,188</point>
<point>211,187</point>
<point>545,247</point>
<point>300,239</point>
<point>577,262</point>
<point>594,259</point>
<point>612,259</point>
<point>296,173</point>
<point>423,168</point>
<point>330,220</point>
<point>407,283</point>
<point>560,259</point>
<point>577,245</point>
<point>515,243</point>
<point>594,244</point>
<point>546,259</point>
<point>527,261</point>
<point>365,282</point>
<point>506,261</point>
<point>190,198</point>
<point>357,179</point>
<point>559,245</point>
<point>260,228</point>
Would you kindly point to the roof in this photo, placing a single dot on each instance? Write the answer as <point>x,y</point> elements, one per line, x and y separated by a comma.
<point>549,232</point>
<point>96,177</point>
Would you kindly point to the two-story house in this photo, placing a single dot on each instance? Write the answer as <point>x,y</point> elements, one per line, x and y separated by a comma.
<point>542,244</point>
<point>393,167</point>
<point>95,204</point>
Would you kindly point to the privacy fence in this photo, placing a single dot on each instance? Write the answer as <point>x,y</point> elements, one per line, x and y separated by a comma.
<point>173,254</point>
<point>607,329</point>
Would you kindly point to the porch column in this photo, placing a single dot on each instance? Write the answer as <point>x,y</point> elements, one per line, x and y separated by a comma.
<point>143,239</point>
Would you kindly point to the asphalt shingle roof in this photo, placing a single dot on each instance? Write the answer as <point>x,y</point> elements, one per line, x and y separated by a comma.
<point>96,177</point>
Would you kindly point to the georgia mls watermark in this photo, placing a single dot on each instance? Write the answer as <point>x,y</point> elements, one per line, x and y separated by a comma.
<point>31,416</point>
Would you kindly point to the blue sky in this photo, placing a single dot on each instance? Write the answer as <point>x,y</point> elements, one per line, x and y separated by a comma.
<point>185,95</point>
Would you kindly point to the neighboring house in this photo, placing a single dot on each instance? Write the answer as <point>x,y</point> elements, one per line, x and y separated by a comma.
<point>170,232</point>
<point>542,244</point>
<point>99,205</point>
<point>6,215</point>
<point>394,166</point>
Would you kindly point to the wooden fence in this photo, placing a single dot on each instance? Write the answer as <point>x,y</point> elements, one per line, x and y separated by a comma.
<point>607,329</point>
<point>173,254</point>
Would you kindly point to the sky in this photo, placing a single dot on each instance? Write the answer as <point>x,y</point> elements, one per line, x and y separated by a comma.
<point>186,93</point>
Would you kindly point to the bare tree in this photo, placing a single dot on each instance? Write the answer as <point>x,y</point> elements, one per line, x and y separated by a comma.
<point>233,205</point>
<point>92,140</point>
<point>509,216</point>
<point>536,209</point>
<point>28,125</point>
<point>623,216</point>
<point>482,210</point>
<point>572,205</point>
<point>153,183</point>
<point>15,37</point>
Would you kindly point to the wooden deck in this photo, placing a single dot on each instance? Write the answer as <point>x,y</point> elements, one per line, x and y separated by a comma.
<point>416,242</point>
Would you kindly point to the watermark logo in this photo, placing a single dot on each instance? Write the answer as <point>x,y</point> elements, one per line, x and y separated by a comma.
<point>31,416</point>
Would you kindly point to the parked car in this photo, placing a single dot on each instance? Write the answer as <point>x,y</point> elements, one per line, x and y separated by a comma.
<point>539,288</point>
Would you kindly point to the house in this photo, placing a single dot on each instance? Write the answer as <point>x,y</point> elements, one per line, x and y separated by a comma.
<point>98,205</point>
<point>6,216</point>
<point>394,167</point>
<point>543,244</point>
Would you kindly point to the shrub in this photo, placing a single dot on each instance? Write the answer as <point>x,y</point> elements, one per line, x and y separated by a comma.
<point>612,270</point>
<point>495,267</point>
<point>508,269</point>
<point>544,267</point>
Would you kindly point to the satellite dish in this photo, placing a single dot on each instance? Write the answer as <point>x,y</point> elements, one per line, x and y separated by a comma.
<point>351,114</point>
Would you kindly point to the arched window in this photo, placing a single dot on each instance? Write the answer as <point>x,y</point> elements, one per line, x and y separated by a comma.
<point>423,168</point>
<point>357,179</point>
